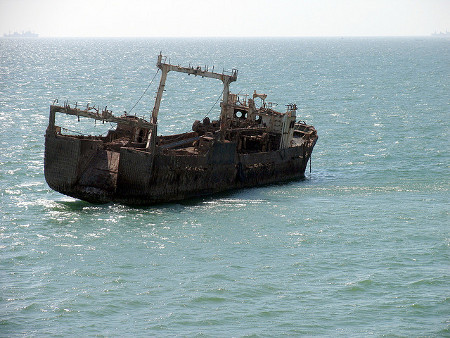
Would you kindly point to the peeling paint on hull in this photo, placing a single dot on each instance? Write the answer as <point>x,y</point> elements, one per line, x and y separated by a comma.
<point>137,178</point>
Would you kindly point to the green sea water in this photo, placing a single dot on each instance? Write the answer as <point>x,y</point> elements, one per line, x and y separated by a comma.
<point>358,248</point>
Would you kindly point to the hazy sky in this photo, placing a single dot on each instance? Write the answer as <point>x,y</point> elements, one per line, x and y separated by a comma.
<point>128,18</point>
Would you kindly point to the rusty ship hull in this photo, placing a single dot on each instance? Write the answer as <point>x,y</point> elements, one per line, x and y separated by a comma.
<point>247,147</point>
<point>83,169</point>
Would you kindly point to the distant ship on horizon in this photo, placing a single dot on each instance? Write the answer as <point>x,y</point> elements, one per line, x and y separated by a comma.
<point>441,34</point>
<point>27,34</point>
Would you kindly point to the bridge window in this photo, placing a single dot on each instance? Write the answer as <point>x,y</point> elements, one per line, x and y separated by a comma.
<point>240,114</point>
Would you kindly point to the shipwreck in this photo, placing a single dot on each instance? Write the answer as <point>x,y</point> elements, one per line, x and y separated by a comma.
<point>249,145</point>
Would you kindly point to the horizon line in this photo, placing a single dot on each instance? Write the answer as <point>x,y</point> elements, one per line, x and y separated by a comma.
<point>224,36</point>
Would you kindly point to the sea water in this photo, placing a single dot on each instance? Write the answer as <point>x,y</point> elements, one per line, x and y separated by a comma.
<point>360,247</point>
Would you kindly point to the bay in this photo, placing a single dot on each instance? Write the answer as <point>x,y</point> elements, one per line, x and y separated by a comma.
<point>360,247</point>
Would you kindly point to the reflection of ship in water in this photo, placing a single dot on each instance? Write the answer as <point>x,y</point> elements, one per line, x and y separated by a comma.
<point>27,34</point>
<point>441,34</point>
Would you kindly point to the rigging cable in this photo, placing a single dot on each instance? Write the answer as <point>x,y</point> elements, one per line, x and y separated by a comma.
<point>214,103</point>
<point>144,91</point>
<point>310,160</point>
